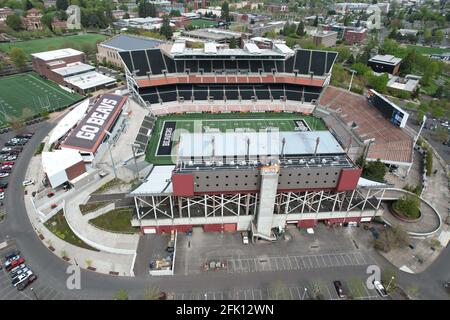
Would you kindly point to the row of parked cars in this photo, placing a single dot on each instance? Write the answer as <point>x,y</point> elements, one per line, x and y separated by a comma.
<point>8,154</point>
<point>21,274</point>
<point>343,294</point>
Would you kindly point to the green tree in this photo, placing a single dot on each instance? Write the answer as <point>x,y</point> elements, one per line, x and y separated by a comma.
<point>122,294</point>
<point>442,133</point>
<point>374,170</point>
<point>301,29</point>
<point>408,206</point>
<point>427,36</point>
<point>62,5</point>
<point>152,293</point>
<point>146,9</point>
<point>166,29</point>
<point>438,36</point>
<point>14,22</point>
<point>27,5</point>
<point>47,20</point>
<point>18,57</point>
<point>232,43</point>
<point>316,21</point>
<point>226,11</point>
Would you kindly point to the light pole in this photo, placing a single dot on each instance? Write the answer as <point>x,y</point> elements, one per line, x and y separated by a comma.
<point>34,292</point>
<point>351,79</point>
<point>110,153</point>
<point>304,293</point>
<point>389,284</point>
<point>134,157</point>
<point>206,296</point>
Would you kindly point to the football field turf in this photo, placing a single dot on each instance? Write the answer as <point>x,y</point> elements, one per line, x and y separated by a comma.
<point>224,122</point>
<point>30,91</point>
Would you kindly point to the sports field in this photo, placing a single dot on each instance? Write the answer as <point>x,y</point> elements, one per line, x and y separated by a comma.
<point>203,23</point>
<point>30,91</point>
<point>39,45</point>
<point>224,122</point>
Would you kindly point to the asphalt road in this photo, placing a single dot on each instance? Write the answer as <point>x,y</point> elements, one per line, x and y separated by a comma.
<point>52,270</point>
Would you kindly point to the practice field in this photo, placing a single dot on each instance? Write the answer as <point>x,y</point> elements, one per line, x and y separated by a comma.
<point>428,50</point>
<point>39,45</point>
<point>160,144</point>
<point>203,23</point>
<point>30,91</point>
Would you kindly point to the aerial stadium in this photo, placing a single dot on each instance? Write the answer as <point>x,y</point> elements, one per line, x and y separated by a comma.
<point>234,141</point>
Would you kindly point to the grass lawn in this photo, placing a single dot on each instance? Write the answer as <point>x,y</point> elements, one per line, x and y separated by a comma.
<point>356,288</point>
<point>30,91</point>
<point>427,50</point>
<point>90,207</point>
<point>203,23</point>
<point>109,185</point>
<point>58,225</point>
<point>117,220</point>
<point>38,45</point>
<point>224,122</point>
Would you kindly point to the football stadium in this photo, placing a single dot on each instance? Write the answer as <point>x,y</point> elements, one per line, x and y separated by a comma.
<point>239,139</point>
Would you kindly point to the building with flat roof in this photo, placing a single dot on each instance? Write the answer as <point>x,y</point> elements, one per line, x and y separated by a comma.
<point>107,51</point>
<point>355,36</point>
<point>409,83</point>
<point>62,166</point>
<point>385,63</point>
<point>325,38</point>
<point>90,132</point>
<point>259,29</point>
<point>67,67</point>
<point>211,34</point>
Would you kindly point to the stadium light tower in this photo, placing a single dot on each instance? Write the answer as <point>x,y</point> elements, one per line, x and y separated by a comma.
<point>110,153</point>
<point>351,79</point>
<point>135,145</point>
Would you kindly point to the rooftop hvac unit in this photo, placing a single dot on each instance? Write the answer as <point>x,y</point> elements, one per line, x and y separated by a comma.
<point>232,163</point>
<point>324,161</point>
<point>312,161</point>
<point>301,161</point>
<point>191,163</point>
<point>220,163</point>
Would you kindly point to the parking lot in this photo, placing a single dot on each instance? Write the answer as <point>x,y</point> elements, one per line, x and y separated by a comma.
<point>314,290</point>
<point>285,263</point>
<point>327,248</point>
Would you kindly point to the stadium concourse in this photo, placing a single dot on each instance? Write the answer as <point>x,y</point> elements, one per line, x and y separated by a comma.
<point>391,144</point>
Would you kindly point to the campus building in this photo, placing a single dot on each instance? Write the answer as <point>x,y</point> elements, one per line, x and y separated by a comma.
<point>67,67</point>
<point>385,63</point>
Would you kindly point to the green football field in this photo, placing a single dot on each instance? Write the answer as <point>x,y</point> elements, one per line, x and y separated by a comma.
<point>225,122</point>
<point>30,91</point>
<point>39,45</point>
<point>203,23</point>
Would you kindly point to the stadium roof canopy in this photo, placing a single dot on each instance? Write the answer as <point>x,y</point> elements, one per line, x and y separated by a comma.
<point>157,182</point>
<point>69,121</point>
<point>128,42</point>
<point>261,143</point>
<point>57,54</point>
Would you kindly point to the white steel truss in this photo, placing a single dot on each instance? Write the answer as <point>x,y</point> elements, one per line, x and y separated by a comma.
<point>243,204</point>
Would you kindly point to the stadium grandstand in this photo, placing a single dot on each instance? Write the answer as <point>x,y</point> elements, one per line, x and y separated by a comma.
<point>233,144</point>
<point>366,119</point>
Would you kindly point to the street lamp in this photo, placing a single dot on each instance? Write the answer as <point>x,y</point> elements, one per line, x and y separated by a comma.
<point>34,292</point>
<point>389,284</point>
<point>110,153</point>
<point>134,145</point>
<point>351,80</point>
<point>206,296</point>
<point>304,293</point>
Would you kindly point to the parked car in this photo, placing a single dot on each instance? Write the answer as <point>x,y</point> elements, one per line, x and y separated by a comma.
<point>27,183</point>
<point>16,269</point>
<point>12,254</point>
<point>339,289</point>
<point>380,289</point>
<point>50,194</point>
<point>374,232</point>
<point>8,163</point>
<point>21,278</point>
<point>19,272</point>
<point>10,158</point>
<point>27,282</point>
<point>4,174</point>
<point>6,149</point>
<point>3,185</point>
<point>2,195</point>
<point>244,237</point>
<point>14,262</point>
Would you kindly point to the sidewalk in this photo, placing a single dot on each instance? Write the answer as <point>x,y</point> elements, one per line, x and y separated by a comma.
<point>104,261</point>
